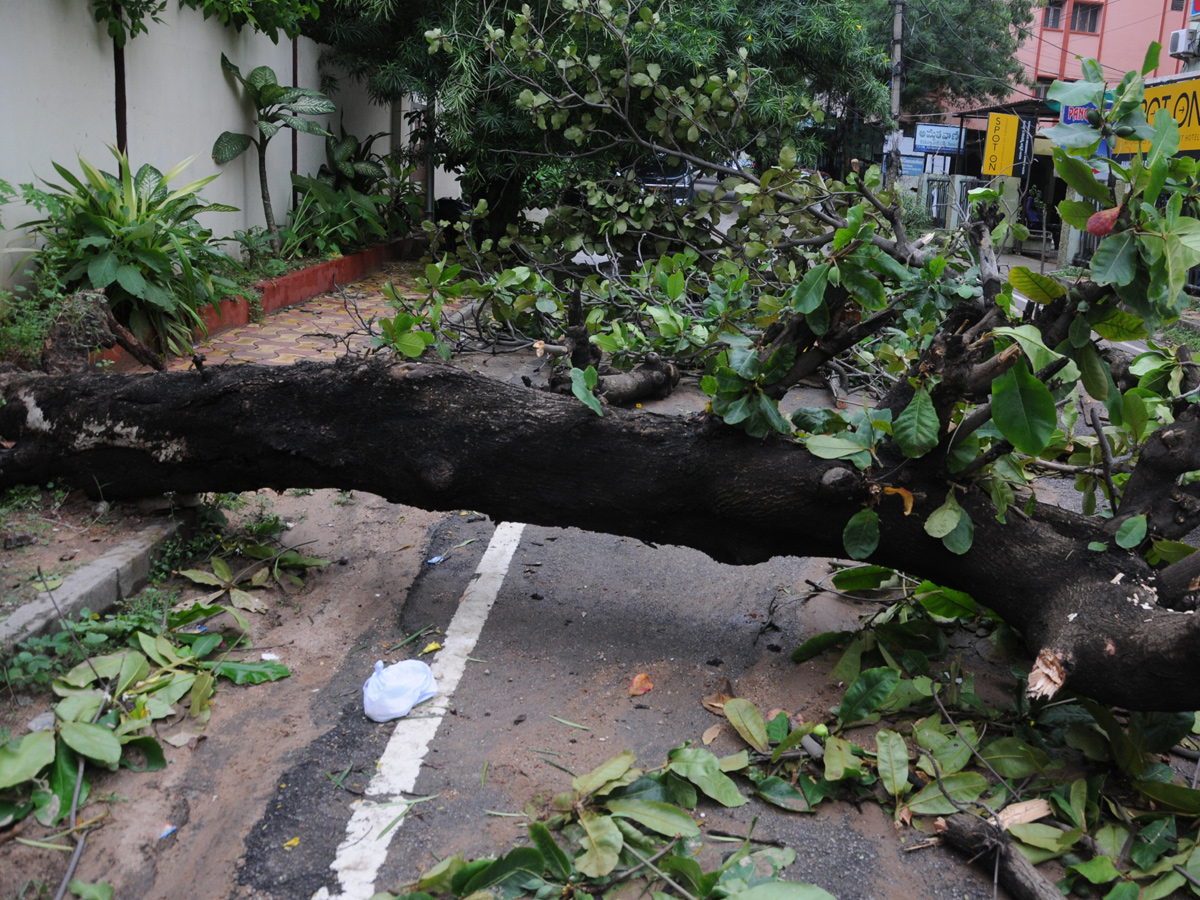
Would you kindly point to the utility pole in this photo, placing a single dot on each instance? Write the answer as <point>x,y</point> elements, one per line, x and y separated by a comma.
<point>894,161</point>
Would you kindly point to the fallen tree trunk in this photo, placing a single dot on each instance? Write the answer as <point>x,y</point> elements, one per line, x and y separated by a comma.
<point>438,438</point>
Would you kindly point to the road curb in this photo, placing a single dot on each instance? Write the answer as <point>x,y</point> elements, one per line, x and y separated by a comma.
<point>118,574</point>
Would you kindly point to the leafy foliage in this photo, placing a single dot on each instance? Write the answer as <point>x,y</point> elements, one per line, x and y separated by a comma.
<point>136,239</point>
<point>111,704</point>
<point>275,107</point>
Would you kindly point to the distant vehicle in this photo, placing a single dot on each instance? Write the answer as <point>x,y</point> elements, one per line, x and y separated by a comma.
<point>674,181</point>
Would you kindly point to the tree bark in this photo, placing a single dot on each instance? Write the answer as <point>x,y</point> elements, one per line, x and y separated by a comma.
<point>981,841</point>
<point>435,437</point>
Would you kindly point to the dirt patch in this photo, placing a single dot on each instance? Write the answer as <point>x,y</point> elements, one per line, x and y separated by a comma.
<point>59,532</point>
<point>180,832</point>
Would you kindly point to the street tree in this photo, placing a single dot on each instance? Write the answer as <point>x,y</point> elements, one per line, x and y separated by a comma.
<point>955,53</point>
<point>984,385</point>
<point>474,127</point>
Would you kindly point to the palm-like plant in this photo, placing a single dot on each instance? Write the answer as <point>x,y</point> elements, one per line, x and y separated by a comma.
<point>134,238</point>
<point>275,107</point>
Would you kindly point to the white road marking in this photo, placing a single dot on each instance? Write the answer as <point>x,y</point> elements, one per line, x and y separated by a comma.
<point>362,853</point>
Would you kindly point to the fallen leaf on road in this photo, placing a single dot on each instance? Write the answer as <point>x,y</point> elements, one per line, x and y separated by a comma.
<point>430,647</point>
<point>292,844</point>
<point>711,734</point>
<point>715,702</point>
<point>641,684</point>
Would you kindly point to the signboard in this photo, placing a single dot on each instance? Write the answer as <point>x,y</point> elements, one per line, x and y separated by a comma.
<point>1073,115</point>
<point>912,165</point>
<point>1024,152</point>
<point>1000,147</point>
<point>939,138</point>
<point>1181,99</point>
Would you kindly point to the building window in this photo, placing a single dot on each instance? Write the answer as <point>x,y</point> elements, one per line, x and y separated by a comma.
<point>1042,87</point>
<point>1052,17</point>
<point>1085,17</point>
<point>1178,5</point>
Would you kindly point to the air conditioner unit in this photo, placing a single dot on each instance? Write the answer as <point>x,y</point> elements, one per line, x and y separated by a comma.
<point>1183,44</point>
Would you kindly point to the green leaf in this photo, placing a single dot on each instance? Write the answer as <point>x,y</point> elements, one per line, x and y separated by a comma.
<point>557,861</point>
<point>1150,63</point>
<point>1118,325</point>
<point>1097,870</point>
<point>1093,371</point>
<point>868,692</point>
<point>1030,339</point>
<point>1171,796</point>
<point>1023,409</point>
<point>1132,532</point>
<point>1013,758</point>
<point>583,381</point>
<point>131,280</point>
<point>944,519</point>
<point>703,770</point>
<point>828,446</point>
<point>748,722</point>
<point>1075,93</point>
<point>945,602</point>
<point>604,843</point>
<point>102,270</point>
<point>23,758</point>
<point>1115,260</point>
<point>249,672</point>
<point>818,644</point>
<point>520,862</point>
<point>1125,890</point>
<point>1038,288</point>
<point>151,750</point>
<point>960,539</point>
<point>229,146</point>
<point>810,292</point>
<point>780,792</point>
<point>101,890</point>
<point>862,578</point>
<point>840,760</point>
<point>93,741</point>
<point>916,429</point>
<point>962,787</point>
<point>609,770</point>
<point>1079,175</point>
<point>861,534</point>
<point>891,757</point>
<point>412,343</point>
<point>1076,213</point>
<point>662,818</point>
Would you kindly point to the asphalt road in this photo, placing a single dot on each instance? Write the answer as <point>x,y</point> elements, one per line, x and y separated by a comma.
<point>575,617</point>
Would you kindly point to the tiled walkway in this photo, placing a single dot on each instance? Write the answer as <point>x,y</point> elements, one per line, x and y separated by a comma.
<point>320,328</point>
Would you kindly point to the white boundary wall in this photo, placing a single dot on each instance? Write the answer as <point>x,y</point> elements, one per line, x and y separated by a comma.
<point>57,66</point>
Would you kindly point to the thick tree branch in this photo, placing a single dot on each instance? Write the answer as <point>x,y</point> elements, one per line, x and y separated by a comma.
<point>435,437</point>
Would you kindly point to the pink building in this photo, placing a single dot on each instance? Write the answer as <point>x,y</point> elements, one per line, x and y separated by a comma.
<point>1115,32</point>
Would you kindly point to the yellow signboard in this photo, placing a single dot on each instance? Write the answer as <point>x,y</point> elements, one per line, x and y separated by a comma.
<point>1182,100</point>
<point>1000,148</point>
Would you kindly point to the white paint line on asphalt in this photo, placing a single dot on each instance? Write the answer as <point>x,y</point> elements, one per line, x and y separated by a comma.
<point>362,853</point>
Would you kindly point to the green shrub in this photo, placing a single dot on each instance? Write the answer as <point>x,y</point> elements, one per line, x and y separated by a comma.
<point>132,237</point>
<point>350,163</point>
<point>328,221</point>
<point>915,216</point>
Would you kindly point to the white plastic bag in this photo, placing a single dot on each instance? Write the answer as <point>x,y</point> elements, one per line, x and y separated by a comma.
<point>391,692</point>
